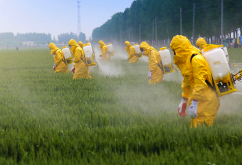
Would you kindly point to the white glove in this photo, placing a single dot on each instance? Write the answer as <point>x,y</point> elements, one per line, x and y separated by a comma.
<point>193,110</point>
<point>54,67</point>
<point>149,75</point>
<point>182,108</point>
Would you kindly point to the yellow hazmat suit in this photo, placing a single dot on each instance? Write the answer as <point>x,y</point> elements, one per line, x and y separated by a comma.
<point>195,73</point>
<point>104,49</point>
<point>201,42</point>
<point>61,66</point>
<point>81,44</point>
<point>131,52</point>
<point>155,65</point>
<point>81,69</point>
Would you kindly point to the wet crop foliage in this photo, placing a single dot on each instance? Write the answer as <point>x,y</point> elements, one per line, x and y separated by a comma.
<point>49,118</point>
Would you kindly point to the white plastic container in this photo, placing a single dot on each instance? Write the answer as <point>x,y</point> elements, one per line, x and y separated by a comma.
<point>226,53</point>
<point>70,66</point>
<point>88,51</point>
<point>110,47</point>
<point>67,53</point>
<point>137,49</point>
<point>218,63</point>
<point>165,57</point>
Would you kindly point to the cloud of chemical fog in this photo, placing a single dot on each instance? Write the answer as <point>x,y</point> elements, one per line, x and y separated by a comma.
<point>120,56</point>
<point>144,59</point>
<point>152,99</point>
<point>232,103</point>
<point>174,76</point>
<point>109,68</point>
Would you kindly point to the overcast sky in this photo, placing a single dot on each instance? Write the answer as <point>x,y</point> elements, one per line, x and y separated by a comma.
<point>56,16</point>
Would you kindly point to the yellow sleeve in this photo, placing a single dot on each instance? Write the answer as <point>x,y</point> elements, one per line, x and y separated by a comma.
<point>185,90</point>
<point>77,55</point>
<point>153,63</point>
<point>200,74</point>
<point>58,57</point>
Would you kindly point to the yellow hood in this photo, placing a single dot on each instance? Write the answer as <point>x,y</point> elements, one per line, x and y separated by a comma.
<point>81,44</point>
<point>201,42</point>
<point>183,48</point>
<point>147,48</point>
<point>73,45</point>
<point>128,45</point>
<point>53,48</point>
<point>101,44</point>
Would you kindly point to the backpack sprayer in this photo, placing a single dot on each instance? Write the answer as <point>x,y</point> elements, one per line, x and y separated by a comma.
<point>166,60</point>
<point>138,53</point>
<point>223,80</point>
<point>110,49</point>
<point>68,58</point>
<point>89,55</point>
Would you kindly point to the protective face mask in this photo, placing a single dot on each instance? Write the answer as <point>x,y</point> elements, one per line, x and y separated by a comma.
<point>143,52</point>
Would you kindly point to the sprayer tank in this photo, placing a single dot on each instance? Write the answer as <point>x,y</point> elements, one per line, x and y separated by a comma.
<point>110,47</point>
<point>137,49</point>
<point>88,51</point>
<point>67,53</point>
<point>218,63</point>
<point>165,57</point>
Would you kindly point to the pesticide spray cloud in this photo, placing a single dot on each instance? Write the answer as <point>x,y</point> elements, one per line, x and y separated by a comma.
<point>231,104</point>
<point>109,68</point>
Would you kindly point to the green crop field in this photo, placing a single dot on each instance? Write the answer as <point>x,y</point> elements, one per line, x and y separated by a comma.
<point>114,118</point>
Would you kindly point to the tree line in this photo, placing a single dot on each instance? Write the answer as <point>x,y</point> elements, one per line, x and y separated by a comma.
<point>140,16</point>
<point>66,37</point>
<point>9,39</point>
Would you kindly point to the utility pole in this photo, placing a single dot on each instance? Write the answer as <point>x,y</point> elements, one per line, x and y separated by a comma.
<point>167,32</point>
<point>153,34</point>
<point>79,19</point>
<point>132,35</point>
<point>222,20</point>
<point>121,36</point>
<point>156,32</point>
<point>139,33</point>
<point>180,21</point>
<point>193,31</point>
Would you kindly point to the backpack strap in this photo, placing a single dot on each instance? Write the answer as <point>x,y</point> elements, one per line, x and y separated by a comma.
<point>208,83</point>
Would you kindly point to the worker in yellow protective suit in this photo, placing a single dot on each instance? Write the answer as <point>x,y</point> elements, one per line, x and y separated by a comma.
<point>60,66</point>
<point>155,74</point>
<point>203,100</point>
<point>104,49</point>
<point>81,69</point>
<point>133,58</point>
<point>201,42</point>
